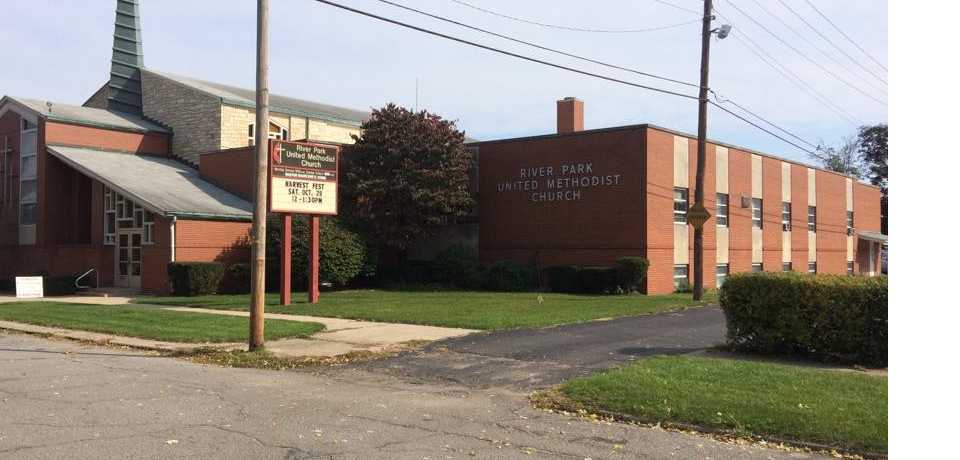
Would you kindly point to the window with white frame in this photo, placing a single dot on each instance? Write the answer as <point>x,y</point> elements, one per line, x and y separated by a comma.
<point>812,218</point>
<point>723,210</point>
<point>680,202</point>
<point>849,223</point>
<point>722,271</point>
<point>109,216</point>
<point>756,208</point>
<point>811,267</point>
<point>849,267</point>
<point>28,181</point>
<point>788,266</point>
<point>4,169</point>
<point>785,215</point>
<point>121,213</point>
<point>756,268</point>
<point>275,131</point>
<point>147,227</point>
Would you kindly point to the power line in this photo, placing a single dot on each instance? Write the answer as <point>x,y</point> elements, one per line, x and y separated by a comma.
<point>825,54</point>
<point>827,39</point>
<point>761,128</point>
<point>797,81</point>
<point>804,55</point>
<point>570,28</point>
<point>681,8</point>
<point>845,35</point>
<point>552,50</point>
<point>719,98</point>
<point>507,53</point>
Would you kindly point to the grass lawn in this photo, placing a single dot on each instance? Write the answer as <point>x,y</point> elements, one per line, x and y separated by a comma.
<point>148,323</point>
<point>472,310</point>
<point>841,409</point>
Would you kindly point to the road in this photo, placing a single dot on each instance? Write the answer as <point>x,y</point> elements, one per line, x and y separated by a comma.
<point>61,399</point>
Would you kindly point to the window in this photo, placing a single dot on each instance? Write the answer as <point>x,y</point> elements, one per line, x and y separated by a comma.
<point>147,227</point>
<point>5,153</point>
<point>849,223</point>
<point>680,196</point>
<point>756,268</point>
<point>723,209</point>
<point>274,132</point>
<point>811,267</point>
<point>788,266</point>
<point>109,217</point>
<point>756,207</point>
<point>722,271</point>
<point>28,181</point>
<point>785,215</point>
<point>850,268</point>
<point>681,278</point>
<point>812,218</point>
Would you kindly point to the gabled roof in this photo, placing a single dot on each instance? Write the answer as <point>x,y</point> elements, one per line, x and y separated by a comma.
<point>162,185</point>
<point>88,116</point>
<point>232,95</point>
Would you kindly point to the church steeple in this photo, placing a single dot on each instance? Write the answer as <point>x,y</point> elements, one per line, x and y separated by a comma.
<point>124,89</point>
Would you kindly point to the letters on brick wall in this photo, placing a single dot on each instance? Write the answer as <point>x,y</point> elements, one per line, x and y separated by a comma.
<point>559,182</point>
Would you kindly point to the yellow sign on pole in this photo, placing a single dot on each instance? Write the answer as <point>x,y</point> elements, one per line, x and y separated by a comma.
<point>697,215</point>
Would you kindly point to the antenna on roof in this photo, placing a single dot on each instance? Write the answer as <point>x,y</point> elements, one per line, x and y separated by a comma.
<point>49,107</point>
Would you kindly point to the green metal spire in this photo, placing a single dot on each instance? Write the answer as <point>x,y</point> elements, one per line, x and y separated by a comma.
<point>124,91</point>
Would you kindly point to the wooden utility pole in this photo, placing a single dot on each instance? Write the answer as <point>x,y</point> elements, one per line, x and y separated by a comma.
<point>701,147</point>
<point>258,262</point>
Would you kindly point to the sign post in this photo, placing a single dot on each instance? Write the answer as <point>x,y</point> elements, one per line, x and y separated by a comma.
<point>304,179</point>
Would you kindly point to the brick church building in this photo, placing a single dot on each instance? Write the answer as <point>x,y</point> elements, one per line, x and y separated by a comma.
<point>152,168</point>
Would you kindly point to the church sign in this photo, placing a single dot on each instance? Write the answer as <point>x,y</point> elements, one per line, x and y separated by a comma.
<point>303,178</point>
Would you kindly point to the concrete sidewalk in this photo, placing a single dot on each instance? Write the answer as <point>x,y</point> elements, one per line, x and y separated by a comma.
<point>341,336</point>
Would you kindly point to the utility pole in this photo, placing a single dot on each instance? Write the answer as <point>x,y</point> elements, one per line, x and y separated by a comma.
<point>258,264</point>
<point>698,214</point>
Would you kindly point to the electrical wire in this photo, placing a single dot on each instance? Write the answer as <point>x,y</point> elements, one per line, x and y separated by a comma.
<point>761,128</point>
<point>805,56</point>
<point>569,28</point>
<point>504,52</point>
<point>552,50</point>
<point>827,39</point>
<point>838,29</point>
<point>721,100</point>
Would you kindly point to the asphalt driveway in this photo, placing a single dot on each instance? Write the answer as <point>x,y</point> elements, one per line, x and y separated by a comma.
<point>526,359</point>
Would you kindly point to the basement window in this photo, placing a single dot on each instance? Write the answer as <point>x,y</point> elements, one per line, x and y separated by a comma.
<point>850,268</point>
<point>788,266</point>
<point>812,267</point>
<point>756,268</point>
<point>681,277</point>
<point>722,271</point>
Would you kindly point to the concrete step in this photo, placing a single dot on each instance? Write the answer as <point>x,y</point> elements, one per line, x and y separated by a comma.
<point>109,292</point>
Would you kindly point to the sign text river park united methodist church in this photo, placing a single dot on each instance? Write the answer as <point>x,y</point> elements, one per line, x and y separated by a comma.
<point>303,178</point>
<point>562,182</point>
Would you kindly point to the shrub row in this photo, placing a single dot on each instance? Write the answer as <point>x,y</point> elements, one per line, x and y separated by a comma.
<point>625,277</point>
<point>833,316</point>
<point>194,278</point>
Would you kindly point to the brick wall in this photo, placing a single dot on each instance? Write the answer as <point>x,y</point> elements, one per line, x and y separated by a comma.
<point>799,237</point>
<point>772,215</point>
<point>194,116</point>
<point>9,207</point>
<point>232,170</point>
<point>107,139</point>
<point>604,223</point>
<point>658,204</point>
<point>212,241</point>
<point>741,226</point>
<point>831,223</point>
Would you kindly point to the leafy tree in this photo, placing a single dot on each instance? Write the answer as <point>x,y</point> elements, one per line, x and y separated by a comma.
<point>873,149</point>
<point>406,175</point>
<point>844,159</point>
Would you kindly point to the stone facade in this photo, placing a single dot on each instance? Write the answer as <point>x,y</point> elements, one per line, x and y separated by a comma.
<point>98,100</point>
<point>235,127</point>
<point>193,116</point>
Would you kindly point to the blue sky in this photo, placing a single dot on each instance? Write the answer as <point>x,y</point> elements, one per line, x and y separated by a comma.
<point>59,50</point>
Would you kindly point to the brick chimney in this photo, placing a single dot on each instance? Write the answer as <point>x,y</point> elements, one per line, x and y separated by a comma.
<point>569,115</point>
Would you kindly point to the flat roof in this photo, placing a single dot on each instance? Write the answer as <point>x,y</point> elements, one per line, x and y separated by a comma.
<point>88,116</point>
<point>668,130</point>
<point>162,185</point>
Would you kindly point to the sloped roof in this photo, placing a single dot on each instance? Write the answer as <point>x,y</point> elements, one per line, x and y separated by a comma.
<point>162,185</point>
<point>232,95</point>
<point>88,116</point>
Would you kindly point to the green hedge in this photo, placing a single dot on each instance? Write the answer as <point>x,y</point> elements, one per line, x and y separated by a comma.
<point>454,265</point>
<point>509,276</point>
<point>598,280</point>
<point>563,278</point>
<point>194,278</point>
<point>631,271</point>
<point>236,279</point>
<point>831,316</point>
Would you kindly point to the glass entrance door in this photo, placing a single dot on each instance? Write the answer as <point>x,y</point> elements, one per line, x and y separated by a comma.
<point>129,258</point>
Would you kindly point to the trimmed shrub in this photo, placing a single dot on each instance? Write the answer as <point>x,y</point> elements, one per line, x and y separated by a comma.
<point>194,278</point>
<point>598,280</point>
<point>343,253</point>
<point>59,285</point>
<point>507,275</point>
<point>631,271</point>
<point>563,278</point>
<point>454,264</point>
<point>236,279</point>
<point>832,316</point>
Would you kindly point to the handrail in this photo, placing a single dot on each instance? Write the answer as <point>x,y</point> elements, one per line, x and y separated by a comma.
<point>92,270</point>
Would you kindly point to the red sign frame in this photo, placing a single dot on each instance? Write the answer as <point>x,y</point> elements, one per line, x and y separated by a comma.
<point>275,162</point>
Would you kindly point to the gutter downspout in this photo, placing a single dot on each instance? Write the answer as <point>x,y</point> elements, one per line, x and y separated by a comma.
<point>173,239</point>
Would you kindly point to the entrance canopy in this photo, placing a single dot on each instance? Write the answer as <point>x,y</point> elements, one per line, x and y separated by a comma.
<point>162,185</point>
<point>873,236</point>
